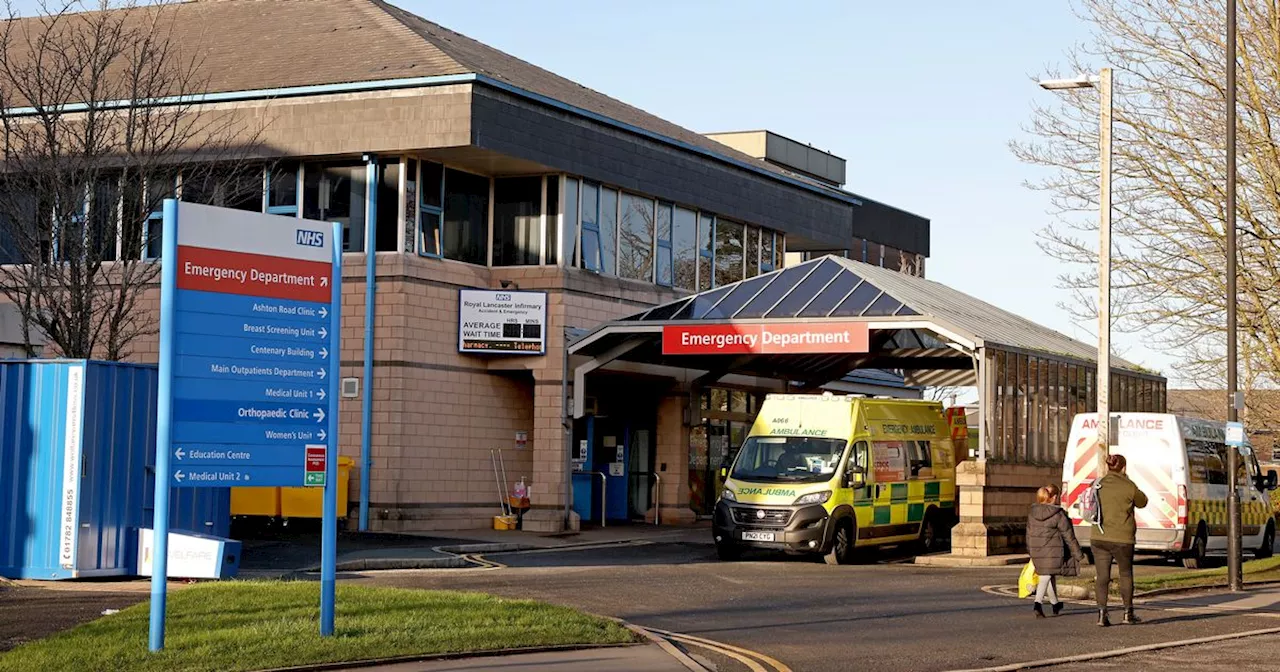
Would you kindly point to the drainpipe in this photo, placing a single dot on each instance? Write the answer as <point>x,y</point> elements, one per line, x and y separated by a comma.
<point>566,424</point>
<point>371,264</point>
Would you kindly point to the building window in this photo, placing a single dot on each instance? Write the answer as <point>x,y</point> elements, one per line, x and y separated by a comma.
<point>569,234</point>
<point>729,252</point>
<point>235,187</point>
<point>159,186</point>
<point>608,223</point>
<point>635,238</point>
<point>282,189</point>
<point>706,250</point>
<point>767,241</point>
<point>663,268</point>
<point>387,235</point>
<point>409,206</point>
<point>103,217</point>
<point>892,258</point>
<point>335,192</point>
<point>517,221</point>
<point>466,216</point>
<point>552,217</point>
<point>684,244</point>
<point>753,252</point>
<point>430,197</point>
<point>591,227</point>
<point>779,250</point>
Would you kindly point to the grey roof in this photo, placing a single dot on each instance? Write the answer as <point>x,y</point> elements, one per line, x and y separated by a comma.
<point>835,287</point>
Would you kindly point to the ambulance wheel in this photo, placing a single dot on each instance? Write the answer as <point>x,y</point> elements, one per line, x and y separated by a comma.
<point>931,540</point>
<point>842,542</point>
<point>1195,557</point>
<point>728,552</point>
<point>1268,542</point>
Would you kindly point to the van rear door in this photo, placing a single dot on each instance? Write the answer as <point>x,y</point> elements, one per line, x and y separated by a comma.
<point>1152,446</point>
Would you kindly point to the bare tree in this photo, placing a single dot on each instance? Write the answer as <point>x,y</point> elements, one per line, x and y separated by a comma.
<point>99,120</point>
<point>1169,255</point>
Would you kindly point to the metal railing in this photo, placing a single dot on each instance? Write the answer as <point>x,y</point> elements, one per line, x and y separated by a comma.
<point>657,494</point>
<point>604,500</point>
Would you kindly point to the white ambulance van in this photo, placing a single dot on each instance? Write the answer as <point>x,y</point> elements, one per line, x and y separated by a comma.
<point>1180,463</point>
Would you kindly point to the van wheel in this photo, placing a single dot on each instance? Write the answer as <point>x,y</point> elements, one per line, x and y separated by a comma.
<point>842,542</point>
<point>1268,542</point>
<point>930,534</point>
<point>1195,557</point>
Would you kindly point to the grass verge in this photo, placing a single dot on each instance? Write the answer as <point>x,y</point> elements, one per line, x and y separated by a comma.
<point>255,625</point>
<point>1255,571</point>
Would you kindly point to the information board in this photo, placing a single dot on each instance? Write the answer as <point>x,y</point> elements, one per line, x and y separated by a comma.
<point>252,322</point>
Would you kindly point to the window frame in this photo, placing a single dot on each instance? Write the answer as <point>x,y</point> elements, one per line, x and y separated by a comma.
<point>709,254</point>
<point>594,227</point>
<point>426,209</point>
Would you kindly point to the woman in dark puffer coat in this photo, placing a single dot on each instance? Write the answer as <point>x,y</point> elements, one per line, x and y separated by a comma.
<point>1051,541</point>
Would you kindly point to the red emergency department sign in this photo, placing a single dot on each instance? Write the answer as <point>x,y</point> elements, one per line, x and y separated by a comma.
<point>765,339</point>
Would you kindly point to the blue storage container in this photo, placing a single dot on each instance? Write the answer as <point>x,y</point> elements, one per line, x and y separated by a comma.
<point>77,449</point>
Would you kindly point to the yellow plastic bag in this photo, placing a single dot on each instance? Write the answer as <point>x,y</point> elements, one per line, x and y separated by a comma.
<point>1028,580</point>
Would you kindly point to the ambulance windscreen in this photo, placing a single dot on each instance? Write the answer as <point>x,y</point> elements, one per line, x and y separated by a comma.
<point>791,459</point>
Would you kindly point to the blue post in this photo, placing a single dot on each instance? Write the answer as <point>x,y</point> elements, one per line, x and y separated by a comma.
<point>370,272</point>
<point>164,433</point>
<point>329,537</point>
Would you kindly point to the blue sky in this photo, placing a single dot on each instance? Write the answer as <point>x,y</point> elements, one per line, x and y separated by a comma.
<point>921,98</point>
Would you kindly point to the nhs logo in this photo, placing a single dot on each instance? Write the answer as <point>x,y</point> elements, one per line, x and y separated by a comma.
<point>310,238</point>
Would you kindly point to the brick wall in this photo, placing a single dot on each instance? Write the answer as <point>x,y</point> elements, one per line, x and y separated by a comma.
<point>994,502</point>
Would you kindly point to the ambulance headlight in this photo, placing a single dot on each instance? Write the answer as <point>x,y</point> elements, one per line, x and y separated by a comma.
<point>813,498</point>
<point>728,496</point>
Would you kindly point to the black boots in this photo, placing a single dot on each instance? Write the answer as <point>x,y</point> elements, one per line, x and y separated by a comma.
<point>1038,609</point>
<point>1057,609</point>
<point>1103,620</point>
<point>1131,618</point>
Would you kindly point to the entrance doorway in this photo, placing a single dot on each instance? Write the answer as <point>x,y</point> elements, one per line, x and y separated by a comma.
<point>614,450</point>
<point>727,416</point>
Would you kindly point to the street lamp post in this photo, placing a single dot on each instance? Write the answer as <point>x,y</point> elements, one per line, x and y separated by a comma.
<point>1234,569</point>
<point>1103,83</point>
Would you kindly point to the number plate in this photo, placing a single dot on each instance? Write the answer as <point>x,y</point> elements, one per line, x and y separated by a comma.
<point>757,536</point>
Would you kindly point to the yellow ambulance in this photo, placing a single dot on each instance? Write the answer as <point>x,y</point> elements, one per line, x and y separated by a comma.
<point>826,474</point>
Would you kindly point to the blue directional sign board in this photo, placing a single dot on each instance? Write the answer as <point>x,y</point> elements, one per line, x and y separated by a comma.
<point>254,348</point>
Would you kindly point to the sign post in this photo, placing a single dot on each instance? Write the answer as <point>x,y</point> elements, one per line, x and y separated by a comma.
<point>249,349</point>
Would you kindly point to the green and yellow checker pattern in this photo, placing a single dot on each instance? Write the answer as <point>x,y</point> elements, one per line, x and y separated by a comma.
<point>1214,514</point>
<point>905,502</point>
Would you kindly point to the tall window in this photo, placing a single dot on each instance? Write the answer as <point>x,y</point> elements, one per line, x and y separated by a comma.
<point>706,250</point>
<point>235,187</point>
<point>684,244</point>
<point>159,186</point>
<point>335,192</point>
<point>591,227</point>
<point>466,216</point>
<point>569,234</point>
<point>387,233</point>
<point>103,216</point>
<point>635,238</point>
<point>430,212</point>
<point>729,251</point>
<point>608,231</point>
<point>551,240</point>
<point>517,221</point>
<point>753,252</point>
<point>663,265</point>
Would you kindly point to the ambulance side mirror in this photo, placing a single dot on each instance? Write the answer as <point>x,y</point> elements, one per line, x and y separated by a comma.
<point>724,471</point>
<point>1270,481</point>
<point>855,476</point>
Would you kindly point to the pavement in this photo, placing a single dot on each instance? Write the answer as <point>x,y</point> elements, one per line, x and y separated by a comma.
<point>645,658</point>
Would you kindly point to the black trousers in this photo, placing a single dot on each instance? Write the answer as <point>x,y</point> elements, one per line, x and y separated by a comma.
<point>1103,552</point>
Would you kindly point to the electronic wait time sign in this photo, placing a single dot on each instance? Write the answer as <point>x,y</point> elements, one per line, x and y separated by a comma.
<point>249,347</point>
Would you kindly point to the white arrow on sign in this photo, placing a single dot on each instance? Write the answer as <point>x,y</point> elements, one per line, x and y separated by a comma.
<point>324,312</point>
<point>324,333</point>
<point>322,394</point>
<point>324,353</point>
<point>178,477</point>
<point>323,435</point>
<point>179,453</point>
<point>319,415</point>
<point>322,373</point>
<point>324,281</point>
